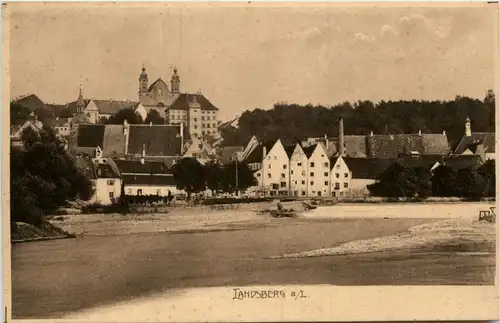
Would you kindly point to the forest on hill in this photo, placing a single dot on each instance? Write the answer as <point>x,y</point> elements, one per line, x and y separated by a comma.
<point>296,122</point>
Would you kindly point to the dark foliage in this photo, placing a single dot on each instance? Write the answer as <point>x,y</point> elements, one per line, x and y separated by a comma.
<point>444,181</point>
<point>125,114</point>
<point>43,177</point>
<point>294,121</point>
<point>154,117</point>
<point>487,171</point>
<point>189,175</point>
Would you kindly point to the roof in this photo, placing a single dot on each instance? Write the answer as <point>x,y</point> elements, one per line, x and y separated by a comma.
<point>424,161</point>
<point>113,142</point>
<point>158,140</point>
<point>309,150</point>
<point>390,146</point>
<point>86,166</point>
<point>256,156</point>
<point>159,80</point>
<point>106,171</point>
<point>182,102</point>
<point>136,167</point>
<point>226,154</point>
<point>112,106</point>
<point>486,138</point>
<point>149,180</point>
<point>368,168</point>
<point>90,135</point>
<point>463,161</point>
<point>169,161</point>
<point>30,101</point>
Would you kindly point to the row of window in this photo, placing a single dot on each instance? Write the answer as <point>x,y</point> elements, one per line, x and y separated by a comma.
<point>336,185</point>
<point>311,164</point>
<point>208,125</point>
<point>311,174</point>
<point>208,118</point>
<point>208,132</point>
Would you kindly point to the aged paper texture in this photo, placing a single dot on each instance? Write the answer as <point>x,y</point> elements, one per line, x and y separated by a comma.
<point>178,162</point>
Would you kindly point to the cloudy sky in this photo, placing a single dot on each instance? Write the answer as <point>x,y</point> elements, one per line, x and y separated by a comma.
<point>249,56</point>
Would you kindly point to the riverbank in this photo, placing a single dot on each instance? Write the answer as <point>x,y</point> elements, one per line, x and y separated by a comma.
<point>25,232</point>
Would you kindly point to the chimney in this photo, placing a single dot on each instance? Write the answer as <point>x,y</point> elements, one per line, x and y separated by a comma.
<point>125,134</point>
<point>264,153</point>
<point>419,132</point>
<point>341,137</point>
<point>326,141</point>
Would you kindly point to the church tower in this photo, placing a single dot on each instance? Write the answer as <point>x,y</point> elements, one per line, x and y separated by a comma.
<point>80,103</point>
<point>143,82</point>
<point>468,131</point>
<point>175,83</point>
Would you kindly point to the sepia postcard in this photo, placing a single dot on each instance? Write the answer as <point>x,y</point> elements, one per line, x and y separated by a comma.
<point>230,162</point>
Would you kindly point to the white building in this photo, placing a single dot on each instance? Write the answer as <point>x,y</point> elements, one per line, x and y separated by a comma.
<point>340,177</point>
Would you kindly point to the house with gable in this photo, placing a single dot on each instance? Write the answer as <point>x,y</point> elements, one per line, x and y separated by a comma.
<point>16,132</point>
<point>318,172</point>
<point>340,177</point>
<point>298,170</point>
<point>476,143</point>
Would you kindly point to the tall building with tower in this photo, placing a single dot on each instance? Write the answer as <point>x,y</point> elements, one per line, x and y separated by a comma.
<point>193,110</point>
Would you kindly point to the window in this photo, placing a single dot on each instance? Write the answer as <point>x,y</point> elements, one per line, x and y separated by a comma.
<point>322,155</point>
<point>326,164</point>
<point>202,118</point>
<point>269,166</point>
<point>312,182</point>
<point>337,186</point>
<point>337,175</point>
<point>326,174</point>
<point>295,182</point>
<point>303,193</point>
<point>346,175</point>
<point>195,126</point>
<point>275,186</point>
<point>258,174</point>
<point>312,164</point>
<point>334,194</point>
<point>291,172</point>
<point>139,192</point>
<point>345,185</point>
<point>341,194</point>
<point>283,184</point>
<point>303,182</point>
<point>282,175</point>
<point>111,195</point>
<point>284,166</point>
<point>203,132</point>
<point>303,173</point>
<point>111,182</point>
<point>326,183</point>
<point>299,164</point>
<point>311,174</point>
<point>195,119</point>
<point>268,175</point>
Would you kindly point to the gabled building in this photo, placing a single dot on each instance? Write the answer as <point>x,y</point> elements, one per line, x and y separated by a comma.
<point>16,132</point>
<point>298,170</point>
<point>318,172</point>
<point>195,111</point>
<point>476,143</point>
<point>340,177</point>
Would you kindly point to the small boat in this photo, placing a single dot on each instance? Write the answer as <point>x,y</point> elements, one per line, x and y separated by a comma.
<point>309,206</point>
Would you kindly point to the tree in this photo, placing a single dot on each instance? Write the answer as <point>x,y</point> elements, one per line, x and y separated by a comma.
<point>125,114</point>
<point>43,177</point>
<point>396,181</point>
<point>487,171</point>
<point>214,177</point>
<point>154,117</point>
<point>189,175</point>
<point>43,113</point>
<point>444,181</point>
<point>18,114</point>
<point>423,181</point>
<point>470,184</point>
<point>237,177</point>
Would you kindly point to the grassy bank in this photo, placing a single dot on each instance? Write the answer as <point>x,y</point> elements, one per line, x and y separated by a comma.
<point>25,232</point>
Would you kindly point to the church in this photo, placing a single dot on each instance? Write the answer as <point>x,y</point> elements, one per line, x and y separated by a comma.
<point>194,110</point>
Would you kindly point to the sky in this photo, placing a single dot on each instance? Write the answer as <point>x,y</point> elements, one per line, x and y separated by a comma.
<point>248,56</point>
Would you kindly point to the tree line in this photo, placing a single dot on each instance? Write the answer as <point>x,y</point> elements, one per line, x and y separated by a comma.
<point>444,181</point>
<point>295,122</point>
